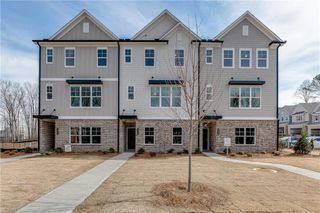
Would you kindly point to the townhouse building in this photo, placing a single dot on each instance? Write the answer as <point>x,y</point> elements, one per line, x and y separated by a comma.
<point>98,91</point>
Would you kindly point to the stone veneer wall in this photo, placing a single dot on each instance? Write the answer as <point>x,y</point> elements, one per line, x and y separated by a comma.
<point>108,134</point>
<point>266,135</point>
<point>46,136</point>
<point>163,135</point>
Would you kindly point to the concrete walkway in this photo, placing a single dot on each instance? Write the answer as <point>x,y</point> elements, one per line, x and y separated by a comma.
<point>4,160</point>
<point>69,195</point>
<point>293,169</point>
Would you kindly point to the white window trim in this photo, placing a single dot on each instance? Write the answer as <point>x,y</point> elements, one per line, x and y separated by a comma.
<point>124,58</point>
<point>80,139</point>
<point>209,85</point>
<point>134,92</point>
<point>169,107</point>
<point>247,26</point>
<point>249,99</point>
<point>102,48</point>
<point>83,27</point>
<point>49,48</point>
<point>250,59</point>
<point>49,85</point>
<point>154,57</point>
<point>245,144</point>
<point>210,56</point>
<point>176,135</point>
<point>264,49</point>
<point>175,57</point>
<point>65,59</point>
<point>89,107</point>
<point>144,137</point>
<point>223,49</point>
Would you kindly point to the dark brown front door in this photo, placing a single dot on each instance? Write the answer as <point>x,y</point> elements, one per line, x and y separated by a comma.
<point>205,145</point>
<point>131,138</point>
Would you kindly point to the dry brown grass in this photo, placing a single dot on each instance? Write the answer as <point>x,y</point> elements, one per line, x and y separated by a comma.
<point>202,196</point>
<point>10,154</point>
<point>25,180</point>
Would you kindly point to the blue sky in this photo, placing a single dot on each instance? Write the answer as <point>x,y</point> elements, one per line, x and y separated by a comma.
<point>295,21</point>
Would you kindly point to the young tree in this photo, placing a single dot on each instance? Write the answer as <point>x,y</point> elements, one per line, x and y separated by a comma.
<point>305,92</point>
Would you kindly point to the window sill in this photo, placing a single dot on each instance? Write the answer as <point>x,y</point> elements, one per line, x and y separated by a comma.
<point>74,144</point>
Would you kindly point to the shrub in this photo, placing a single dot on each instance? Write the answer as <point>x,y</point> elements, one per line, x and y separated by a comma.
<point>58,150</point>
<point>12,152</point>
<point>240,153</point>
<point>179,153</point>
<point>28,150</point>
<point>111,150</point>
<point>170,150</point>
<point>282,145</point>
<point>225,150</point>
<point>185,151</point>
<point>276,153</point>
<point>303,146</point>
<point>197,151</point>
<point>141,151</point>
<point>104,152</point>
<point>249,155</point>
<point>263,152</point>
<point>232,154</point>
<point>6,152</point>
<point>152,154</point>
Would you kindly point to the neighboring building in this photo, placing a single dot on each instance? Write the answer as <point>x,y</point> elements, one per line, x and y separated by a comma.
<point>303,115</point>
<point>98,91</point>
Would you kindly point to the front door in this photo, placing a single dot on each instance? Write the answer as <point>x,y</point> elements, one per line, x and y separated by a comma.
<point>205,144</point>
<point>131,138</point>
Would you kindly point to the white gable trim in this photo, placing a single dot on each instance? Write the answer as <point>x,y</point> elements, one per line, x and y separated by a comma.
<point>73,22</point>
<point>253,20</point>
<point>176,26</point>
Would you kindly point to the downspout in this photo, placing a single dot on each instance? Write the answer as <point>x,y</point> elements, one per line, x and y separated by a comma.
<point>277,102</point>
<point>199,93</point>
<point>39,95</point>
<point>118,119</point>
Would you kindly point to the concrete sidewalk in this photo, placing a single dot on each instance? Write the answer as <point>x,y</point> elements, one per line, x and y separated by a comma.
<point>293,169</point>
<point>5,160</point>
<point>69,195</point>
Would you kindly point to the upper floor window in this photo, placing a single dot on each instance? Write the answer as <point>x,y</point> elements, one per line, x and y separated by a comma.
<point>165,96</point>
<point>209,55</point>
<point>209,92</point>
<point>262,58</point>
<point>85,96</point>
<point>245,136</point>
<point>316,118</point>
<point>177,136</point>
<point>69,57</point>
<point>130,92</point>
<point>228,58</point>
<point>245,30</point>
<point>127,56</point>
<point>85,27</point>
<point>299,117</point>
<point>245,58</point>
<point>149,135</point>
<point>102,57</point>
<point>245,97</point>
<point>149,57</point>
<point>179,57</point>
<point>49,52</point>
<point>49,93</point>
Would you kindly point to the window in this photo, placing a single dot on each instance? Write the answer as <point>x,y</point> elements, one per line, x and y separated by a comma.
<point>245,58</point>
<point>85,135</point>
<point>262,59</point>
<point>69,57</point>
<point>85,27</point>
<point>245,136</point>
<point>245,30</point>
<point>299,118</point>
<point>209,93</point>
<point>245,97</point>
<point>165,96</point>
<point>177,136</point>
<point>149,135</point>
<point>228,58</point>
<point>179,57</point>
<point>209,55</point>
<point>127,56</point>
<point>49,92</point>
<point>85,96</point>
<point>49,52</point>
<point>102,57</point>
<point>130,92</point>
<point>149,57</point>
<point>316,118</point>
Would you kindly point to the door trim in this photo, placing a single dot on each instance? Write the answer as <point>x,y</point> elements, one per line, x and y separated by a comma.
<point>127,138</point>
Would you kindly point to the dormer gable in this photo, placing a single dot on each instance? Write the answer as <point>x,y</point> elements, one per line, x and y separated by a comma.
<point>84,26</point>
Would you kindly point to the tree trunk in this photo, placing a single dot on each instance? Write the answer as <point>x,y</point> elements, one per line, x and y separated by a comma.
<point>190,155</point>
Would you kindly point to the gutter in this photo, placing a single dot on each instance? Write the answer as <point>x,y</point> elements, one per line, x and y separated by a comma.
<point>118,118</point>
<point>39,95</point>
<point>115,41</point>
<point>199,44</point>
<point>277,99</point>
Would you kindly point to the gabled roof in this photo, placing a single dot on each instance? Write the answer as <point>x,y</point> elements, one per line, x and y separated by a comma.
<point>163,13</point>
<point>73,22</point>
<point>289,108</point>
<point>253,20</point>
<point>310,107</point>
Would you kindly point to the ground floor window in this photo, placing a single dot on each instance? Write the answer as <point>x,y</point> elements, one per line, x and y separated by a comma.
<point>245,136</point>
<point>85,135</point>
<point>149,135</point>
<point>177,136</point>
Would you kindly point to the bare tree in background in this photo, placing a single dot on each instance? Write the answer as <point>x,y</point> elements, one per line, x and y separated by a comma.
<point>315,85</point>
<point>305,92</point>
